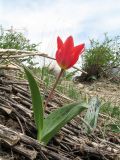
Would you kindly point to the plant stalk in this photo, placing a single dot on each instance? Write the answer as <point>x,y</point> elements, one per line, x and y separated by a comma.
<point>54,86</point>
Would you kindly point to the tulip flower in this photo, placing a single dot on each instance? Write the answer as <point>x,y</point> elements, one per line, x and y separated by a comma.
<point>67,55</point>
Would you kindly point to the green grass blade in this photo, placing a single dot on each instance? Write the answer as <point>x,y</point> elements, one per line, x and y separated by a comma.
<point>36,100</point>
<point>57,119</point>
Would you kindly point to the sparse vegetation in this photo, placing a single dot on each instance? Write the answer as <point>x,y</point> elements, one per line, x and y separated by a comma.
<point>17,40</point>
<point>100,58</point>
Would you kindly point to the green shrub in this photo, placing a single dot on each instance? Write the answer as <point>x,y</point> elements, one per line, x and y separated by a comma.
<point>99,57</point>
<point>17,40</point>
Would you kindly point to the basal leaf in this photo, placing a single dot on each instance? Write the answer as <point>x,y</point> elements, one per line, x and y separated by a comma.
<point>92,114</point>
<point>36,101</point>
<point>57,119</point>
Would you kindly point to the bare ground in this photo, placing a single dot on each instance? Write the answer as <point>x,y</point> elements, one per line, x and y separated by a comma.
<point>18,132</point>
<point>104,89</point>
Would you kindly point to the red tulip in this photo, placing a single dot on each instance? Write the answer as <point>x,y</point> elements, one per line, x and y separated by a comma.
<point>67,55</point>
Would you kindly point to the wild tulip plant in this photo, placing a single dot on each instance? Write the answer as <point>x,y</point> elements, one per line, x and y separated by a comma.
<point>66,56</point>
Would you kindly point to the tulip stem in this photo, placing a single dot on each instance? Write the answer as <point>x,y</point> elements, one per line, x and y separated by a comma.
<point>54,86</point>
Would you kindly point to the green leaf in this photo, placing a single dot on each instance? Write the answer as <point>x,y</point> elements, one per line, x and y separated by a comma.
<point>114,128</point>
<point>36,101</point>
<point>92,114</point>
<point>57,119</point>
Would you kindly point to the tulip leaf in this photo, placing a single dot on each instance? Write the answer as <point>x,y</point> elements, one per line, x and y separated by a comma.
<point>36,101</point>
<point>92,114</point>
<point>57,119</point>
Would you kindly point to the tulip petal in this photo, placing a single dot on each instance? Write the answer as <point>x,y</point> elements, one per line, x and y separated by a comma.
<point>64,53</point>
<point>67,51</point>
<point>58,57</point>
<point>59,42</point>
<point>79,49</point>
<point>68,45</point>
<point>76,53</point>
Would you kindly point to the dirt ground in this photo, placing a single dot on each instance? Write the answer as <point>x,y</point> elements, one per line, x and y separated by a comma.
<point>104,89</point>
<point>18,131</point>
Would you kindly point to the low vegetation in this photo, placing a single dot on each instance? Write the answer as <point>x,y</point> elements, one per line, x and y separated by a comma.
<point>100,58</point>
<point>97,60</point>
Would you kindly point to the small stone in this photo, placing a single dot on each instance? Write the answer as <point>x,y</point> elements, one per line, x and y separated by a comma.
<point>91,88</point>
<point>115,89</point>
<point>81,86</point>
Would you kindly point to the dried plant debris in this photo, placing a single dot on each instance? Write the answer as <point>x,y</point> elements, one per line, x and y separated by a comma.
<point>18,131</point>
